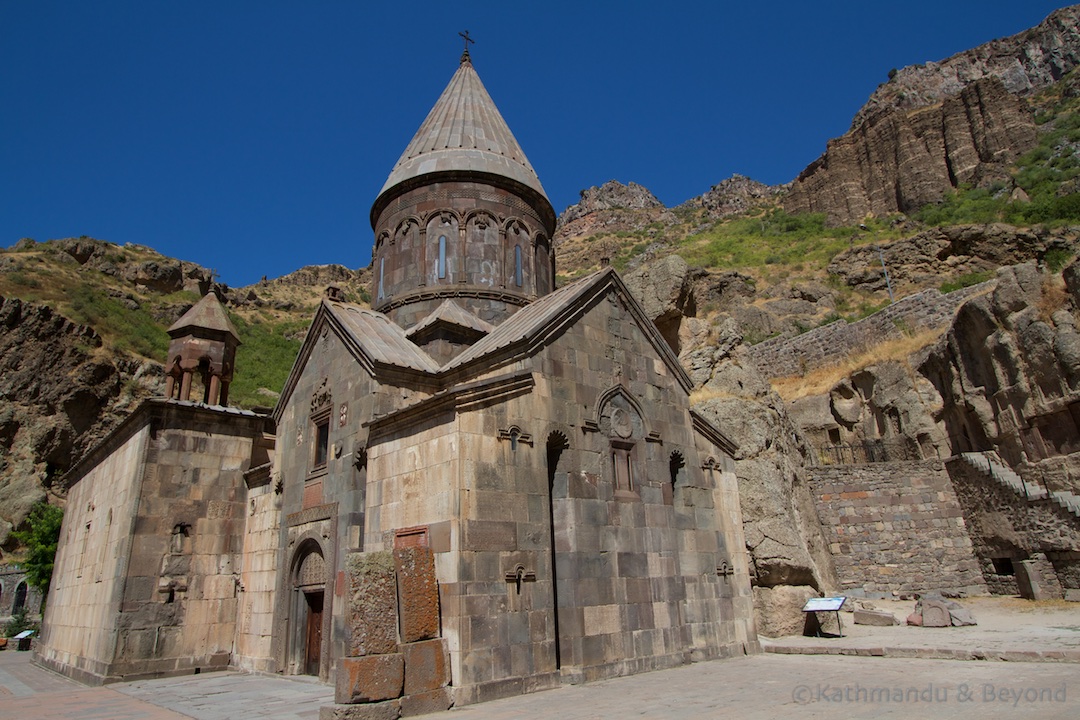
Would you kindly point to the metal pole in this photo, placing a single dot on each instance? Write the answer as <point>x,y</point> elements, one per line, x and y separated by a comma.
<point>888,282</point>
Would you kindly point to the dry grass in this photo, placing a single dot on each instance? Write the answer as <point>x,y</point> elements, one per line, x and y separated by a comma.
<point>1053,297</point>
<point>821,380</point>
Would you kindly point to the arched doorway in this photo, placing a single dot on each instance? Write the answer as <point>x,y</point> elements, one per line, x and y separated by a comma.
<point>20,598</point>
<point>309,592</point>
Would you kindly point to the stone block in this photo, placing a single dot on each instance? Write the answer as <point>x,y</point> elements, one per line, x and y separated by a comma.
<point>389,710</point>
<point>370,679</point>
<point>874,617</point>
<point>426,702</point>
<point>427,666</point>
<point>418,593</point>
<point>1030,582</point>
<point>1072,595</point>
<point>935,614</point>
<point>372,607</point>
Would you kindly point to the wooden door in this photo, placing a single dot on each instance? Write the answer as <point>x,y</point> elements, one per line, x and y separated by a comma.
<point>313,634</point>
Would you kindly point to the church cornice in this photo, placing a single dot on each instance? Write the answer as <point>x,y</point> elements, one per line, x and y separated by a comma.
<point>436,292</point>
<point>458,399</point>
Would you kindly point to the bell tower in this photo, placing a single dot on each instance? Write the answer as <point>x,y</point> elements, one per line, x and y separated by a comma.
<point>203,347</point>
<point>462,216</point>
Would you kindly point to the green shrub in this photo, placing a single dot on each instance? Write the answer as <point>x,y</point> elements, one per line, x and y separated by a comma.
<point>966,280</point>
<point>1057,258</point>
<point>20,621</point>
<point>41,539</point>
<point>134,330</point>
<point>264,360</point>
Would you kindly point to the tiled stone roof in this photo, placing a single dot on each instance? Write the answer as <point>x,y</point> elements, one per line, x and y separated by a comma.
<point>464,132</point>
<point>208,313</point>
<point>382,340</point>
<point>452,313</point>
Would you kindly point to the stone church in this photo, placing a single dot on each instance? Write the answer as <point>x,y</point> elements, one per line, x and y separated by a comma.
<point>481,486</point>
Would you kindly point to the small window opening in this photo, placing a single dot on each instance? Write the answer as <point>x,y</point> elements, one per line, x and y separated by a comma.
<point>382,267</point>
<point>322,442</point>
<point>1003,566</point>
<point>442,257</point>
<point>624,469</point>
<point>518,279</point>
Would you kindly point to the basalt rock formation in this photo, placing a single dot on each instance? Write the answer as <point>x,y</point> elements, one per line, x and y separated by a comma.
<point>899,160</point>
<point>936,126</point>
<point>1025,62</point>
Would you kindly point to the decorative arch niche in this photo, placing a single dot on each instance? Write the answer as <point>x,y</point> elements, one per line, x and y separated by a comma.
<point>619,418</point>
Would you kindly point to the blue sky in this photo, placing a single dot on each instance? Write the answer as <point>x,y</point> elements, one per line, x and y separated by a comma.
<point>252,137</point>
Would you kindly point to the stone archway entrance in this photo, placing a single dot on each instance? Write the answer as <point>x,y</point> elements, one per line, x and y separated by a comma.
<point>308,616</point>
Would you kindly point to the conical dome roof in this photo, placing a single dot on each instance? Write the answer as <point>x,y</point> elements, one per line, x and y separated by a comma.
<point>464,132</point>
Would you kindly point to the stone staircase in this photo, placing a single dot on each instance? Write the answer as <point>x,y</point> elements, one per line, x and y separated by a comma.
<point>990,465</point>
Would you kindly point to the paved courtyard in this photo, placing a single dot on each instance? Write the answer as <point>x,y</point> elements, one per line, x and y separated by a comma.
<point>765,686</point>
<point>799,678</point>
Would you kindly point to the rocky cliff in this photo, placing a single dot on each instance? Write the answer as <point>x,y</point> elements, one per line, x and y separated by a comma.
<point>899,160</point>
<point>937,126</point>
<point>58,395</point>
<point>1025,62</point>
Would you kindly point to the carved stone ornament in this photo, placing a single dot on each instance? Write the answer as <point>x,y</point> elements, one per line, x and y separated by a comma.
<point>321,397</point>
<point>621,424</point>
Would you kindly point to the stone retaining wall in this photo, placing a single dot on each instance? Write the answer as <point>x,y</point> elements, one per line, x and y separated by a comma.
<point>895,528</point>
<point>929,309</point>
<point>1005,526</point>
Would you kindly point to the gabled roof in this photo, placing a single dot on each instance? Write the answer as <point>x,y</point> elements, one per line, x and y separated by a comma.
<point>548,316</point>
<point>208,314</point>
<point>380,345</point>
<point>452,314</point>
<point>383,342</point>
<point>464,132</point>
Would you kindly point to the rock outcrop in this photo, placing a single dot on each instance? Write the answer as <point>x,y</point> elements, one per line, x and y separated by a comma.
<point>735,195</point>
<point>899,160</point>
<point>936,126</point>
<point>160,274</point>
<point>665,288</point>
<point>58,395</point>
<point>929,256</point>
<point>606,218</point>
<point>1024,63</point>
<point>611,195</point>
<point>1009,371</point>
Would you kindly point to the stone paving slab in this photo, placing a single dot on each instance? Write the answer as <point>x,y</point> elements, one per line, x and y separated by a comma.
<point>761,687</point>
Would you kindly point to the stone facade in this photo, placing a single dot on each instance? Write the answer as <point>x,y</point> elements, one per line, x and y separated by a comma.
<point>482,487</point>
<point>148,573</point>
<point>896,528</point>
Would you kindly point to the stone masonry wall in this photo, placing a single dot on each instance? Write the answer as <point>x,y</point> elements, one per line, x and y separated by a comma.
<point>1004,525</point>
<point>895,527</point>
<point>783,356</point>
